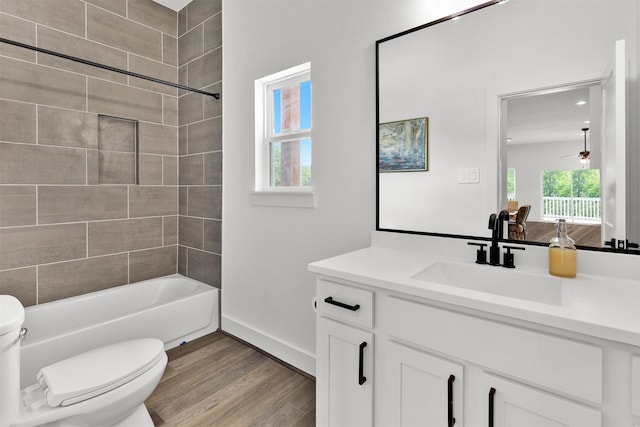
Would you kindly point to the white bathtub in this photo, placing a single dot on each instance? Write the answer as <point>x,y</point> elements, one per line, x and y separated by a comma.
<point>173,308</point>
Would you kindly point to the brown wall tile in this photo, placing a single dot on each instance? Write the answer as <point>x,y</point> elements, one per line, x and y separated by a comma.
<point>169,110</point>
<point>170,230</point>
<point>205,70</point>
<point>152,263</point>
<point>25,246</point>
<point>190,232</point>
<point>205,136</point>
<point>81,48</point>
<point>67,128</point>
<point>108,237</point>
<point>213,168</point>
<point>183,140</point>
<point>204,266</point>
<point>191,170</point>
<point>205,202</point>
<point>93,167</point>
<point>154,15</point>
<point>213,32</point>
<point>115,6</point>
<point>123,101</point>
<point>150,172</point>
<point>157,139</point>
<point>182,21</point>
<point>17,205</point>
<point>116,134</point>
<point>81,203</point>
<point>182,260</point>
<point>169,170</point>
<point>190,108</point>
<point>190,46</point>
<point>152,201</point>
<point>119,32</point>
<point>17,122</point>
<point>170,50</point>
<point>212,106</point>
<point>213,235</point>
<point>30,164</point>
<point>23,81</point>
<point>20,283</point>
<point>66,279</point>
<point>18,30</point>
<point>199,10</point>
<point>155,69</point>
<point>183,200</point>
<point>65,15</point>
<point>116,168</point>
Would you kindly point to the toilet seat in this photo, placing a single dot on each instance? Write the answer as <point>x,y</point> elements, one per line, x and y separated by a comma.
<point>98,371</point>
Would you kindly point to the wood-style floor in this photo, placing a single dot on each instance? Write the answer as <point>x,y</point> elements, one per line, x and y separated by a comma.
<point>582,234</point>
<point>220,381</point>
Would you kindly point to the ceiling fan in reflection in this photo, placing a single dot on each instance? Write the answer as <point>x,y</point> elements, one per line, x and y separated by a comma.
<point>583,155</point>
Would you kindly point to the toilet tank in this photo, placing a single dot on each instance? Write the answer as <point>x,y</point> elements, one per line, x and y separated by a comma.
<point>11,320</point>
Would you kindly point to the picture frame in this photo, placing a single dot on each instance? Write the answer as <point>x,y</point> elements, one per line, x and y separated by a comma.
<point>403,145</point>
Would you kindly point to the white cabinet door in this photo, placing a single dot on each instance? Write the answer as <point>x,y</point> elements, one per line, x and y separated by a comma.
<point>518,405</point>
<point>344,375</point>
<point>423,390</point>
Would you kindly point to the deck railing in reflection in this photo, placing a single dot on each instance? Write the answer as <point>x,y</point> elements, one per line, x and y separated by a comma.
<point>574,209</point>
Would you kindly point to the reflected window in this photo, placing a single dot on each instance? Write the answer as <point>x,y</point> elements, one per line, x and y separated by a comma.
<point>573,195</point>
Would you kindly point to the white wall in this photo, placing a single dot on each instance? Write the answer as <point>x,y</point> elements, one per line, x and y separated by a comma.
<point>266,289</point>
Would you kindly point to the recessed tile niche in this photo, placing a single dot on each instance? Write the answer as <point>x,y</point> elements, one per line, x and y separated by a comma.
<point>117,150</point>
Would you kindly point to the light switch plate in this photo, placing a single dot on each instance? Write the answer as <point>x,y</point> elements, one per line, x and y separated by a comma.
<point>468,175</point>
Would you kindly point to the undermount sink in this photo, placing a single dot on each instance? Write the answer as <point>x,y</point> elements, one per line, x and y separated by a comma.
<point>541,288</point>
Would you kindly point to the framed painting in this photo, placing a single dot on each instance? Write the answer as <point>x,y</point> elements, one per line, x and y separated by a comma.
<point>403,145</point>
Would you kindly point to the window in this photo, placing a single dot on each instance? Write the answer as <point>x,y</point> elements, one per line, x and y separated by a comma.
<point>283,130</point>
<point>572,194</point>
<point>511,184</point>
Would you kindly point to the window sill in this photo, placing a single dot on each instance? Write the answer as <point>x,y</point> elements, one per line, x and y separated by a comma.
<point>284,198</point>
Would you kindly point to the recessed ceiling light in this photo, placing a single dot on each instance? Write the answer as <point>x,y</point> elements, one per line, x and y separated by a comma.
<point>581,102</point>
<point>586,122</point>
<point>508,139</point>
<point>455,18</point>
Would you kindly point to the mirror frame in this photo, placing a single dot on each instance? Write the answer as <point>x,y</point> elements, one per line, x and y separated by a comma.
<point>446,235</point>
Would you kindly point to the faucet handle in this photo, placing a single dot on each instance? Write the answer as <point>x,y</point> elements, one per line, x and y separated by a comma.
<point>492,221</point>
<point>509,258</point>
<point>481,253</point>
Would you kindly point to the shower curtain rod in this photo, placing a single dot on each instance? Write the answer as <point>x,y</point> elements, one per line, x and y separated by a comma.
<point>107,67</point>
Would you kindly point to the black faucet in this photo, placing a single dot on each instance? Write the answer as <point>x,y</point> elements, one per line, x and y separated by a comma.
<point>496,224</point>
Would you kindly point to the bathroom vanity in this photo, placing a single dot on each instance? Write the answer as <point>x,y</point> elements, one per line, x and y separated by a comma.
<point>410,331</point>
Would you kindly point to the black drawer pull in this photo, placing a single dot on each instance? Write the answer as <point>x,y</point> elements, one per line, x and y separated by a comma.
<point>492,391</point>
<point>451,420</point>
<point>329,300</point>
<point>361,377</point>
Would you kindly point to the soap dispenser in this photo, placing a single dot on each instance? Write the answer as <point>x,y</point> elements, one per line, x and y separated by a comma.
<point>562,253</point>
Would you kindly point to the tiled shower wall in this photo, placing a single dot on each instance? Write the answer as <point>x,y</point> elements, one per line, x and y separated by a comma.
<point>200,141</point>
<point>62,234</point>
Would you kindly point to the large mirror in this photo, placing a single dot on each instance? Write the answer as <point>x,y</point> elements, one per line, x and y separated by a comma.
<point>524,105</point>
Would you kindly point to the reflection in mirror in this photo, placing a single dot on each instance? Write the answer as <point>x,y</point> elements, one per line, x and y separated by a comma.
<point>482,79</point>
<point>554,156</point>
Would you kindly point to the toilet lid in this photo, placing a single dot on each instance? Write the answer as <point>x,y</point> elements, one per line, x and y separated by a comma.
<point>98,371</point>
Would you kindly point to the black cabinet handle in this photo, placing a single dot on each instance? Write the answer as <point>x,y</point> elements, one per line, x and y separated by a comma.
<point>450,419</point>
<point>329,300</point>
<point>361,377</point>
<point>492,391</point>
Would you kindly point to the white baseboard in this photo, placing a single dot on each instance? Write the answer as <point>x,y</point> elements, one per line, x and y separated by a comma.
<point>284,351</point>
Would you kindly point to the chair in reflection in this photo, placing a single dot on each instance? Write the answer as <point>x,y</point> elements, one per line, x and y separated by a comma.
<point>517,227</point>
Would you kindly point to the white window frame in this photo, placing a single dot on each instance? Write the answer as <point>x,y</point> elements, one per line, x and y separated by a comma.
<point>264,194</point>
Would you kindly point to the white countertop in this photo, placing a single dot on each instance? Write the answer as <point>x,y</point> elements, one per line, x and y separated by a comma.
<point>596,305</point>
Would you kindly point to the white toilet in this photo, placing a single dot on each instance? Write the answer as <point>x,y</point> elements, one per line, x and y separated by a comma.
<point>102,387</point>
